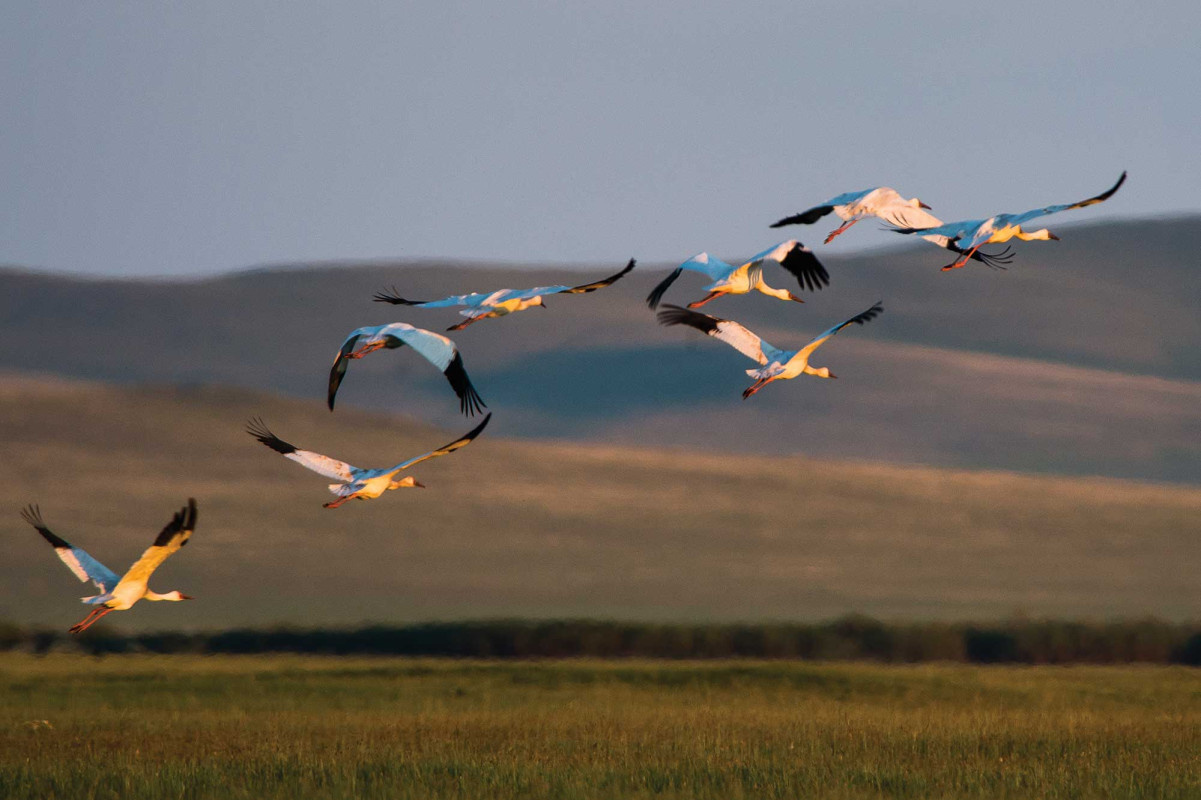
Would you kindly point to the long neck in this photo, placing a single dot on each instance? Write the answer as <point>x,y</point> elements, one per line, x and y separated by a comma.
<point>155,596</point>
<point>1040,235</point>
<point>821,372</point>
<point>782,294</point>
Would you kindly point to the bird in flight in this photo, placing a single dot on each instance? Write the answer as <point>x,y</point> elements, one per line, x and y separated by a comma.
<point>356,483</point>
<point>729,279</point>
<point>776,364</point>
<point>482,305</point>
<point>888,205</point>
<point>880,201</point>
<point>434,347</point>
<point>119,593</point>
<point>967,236</point>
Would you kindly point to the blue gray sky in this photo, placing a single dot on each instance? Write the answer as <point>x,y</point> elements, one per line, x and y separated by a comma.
<point>191,138</point>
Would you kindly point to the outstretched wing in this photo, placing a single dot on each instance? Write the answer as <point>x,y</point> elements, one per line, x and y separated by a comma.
<point>77,560</point>
<point>322,465</point>
<point>446,448</point>
<point>395,299</point>
<point>174,536</point>
<point>902,215</point>
<point>865,316</point>
<point>442,353</point>
<point>800,262</point>
<point>805,217</point>
<point>953,231</point>
<point>1026,216</point>
<point>592,287</point>
<point>728,331</point>
<point>338,371</point>
<point>817,212</point>
<point>715,268</point>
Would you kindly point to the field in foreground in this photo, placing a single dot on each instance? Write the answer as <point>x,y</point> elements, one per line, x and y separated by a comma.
<point>285,727</point>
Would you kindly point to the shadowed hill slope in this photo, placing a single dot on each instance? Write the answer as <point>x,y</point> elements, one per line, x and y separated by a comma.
<point>513,528</point>
<point>1082,358</point>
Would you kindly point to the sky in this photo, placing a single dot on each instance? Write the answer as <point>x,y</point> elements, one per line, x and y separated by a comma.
<point>182,139</point>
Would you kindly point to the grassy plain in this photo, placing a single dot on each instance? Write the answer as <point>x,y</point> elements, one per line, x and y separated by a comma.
<point>289,727</point>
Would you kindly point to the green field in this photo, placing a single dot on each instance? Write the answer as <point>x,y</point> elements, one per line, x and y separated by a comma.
<point>287,727</point>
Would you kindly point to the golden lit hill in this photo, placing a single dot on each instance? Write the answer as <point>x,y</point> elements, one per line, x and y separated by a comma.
<point>551,529</point>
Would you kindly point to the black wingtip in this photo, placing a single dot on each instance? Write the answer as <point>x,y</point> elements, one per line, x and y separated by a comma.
<point>811,275</point>
<point>259,430</point>
<point>192,514</point>
<point>867,316</point>
<point>804,218</point>
<point>184,520</point>
<point>478,429</point>
<point>395,299</point>
<point>33,515</point>
<point>656,295</point>
<point>470,402</point>
<point>676,315</point>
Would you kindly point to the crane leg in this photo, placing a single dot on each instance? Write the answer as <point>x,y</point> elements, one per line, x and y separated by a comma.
<point>460,326</point>
<point>370,348</point>
<point>90,619</point>
<point>756,386</point>
<point>840,229</point>
<point>339,501</point>
<point>964,259</point>
<point>712,296</point>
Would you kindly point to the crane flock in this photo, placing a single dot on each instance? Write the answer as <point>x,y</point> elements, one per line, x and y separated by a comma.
<point>910,217</point>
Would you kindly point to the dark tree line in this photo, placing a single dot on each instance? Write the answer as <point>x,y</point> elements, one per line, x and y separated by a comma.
<point>851,638</point>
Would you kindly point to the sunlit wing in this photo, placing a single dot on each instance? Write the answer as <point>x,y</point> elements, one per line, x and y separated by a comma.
<point>906,216</point>
<point>609,281</point>
<point>174,536</point>
<point>444,449</point>
<point>1026,216</point>
<point>864,316</point>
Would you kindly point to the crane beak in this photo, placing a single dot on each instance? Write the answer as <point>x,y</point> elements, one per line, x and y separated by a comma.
<point>920,204</point>
<point>418,485</point>
<point>1052,236</point>
<point>832,375</point>
<point>183,596</point>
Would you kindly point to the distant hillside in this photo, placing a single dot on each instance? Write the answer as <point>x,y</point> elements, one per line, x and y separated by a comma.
<point>511,528</point>
<point>1082,358</point>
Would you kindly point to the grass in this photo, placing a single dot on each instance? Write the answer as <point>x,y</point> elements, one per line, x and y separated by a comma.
<point>287,727</point>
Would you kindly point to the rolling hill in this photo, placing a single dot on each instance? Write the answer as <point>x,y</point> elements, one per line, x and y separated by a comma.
<point>1083,358</point>
<point>551,529</point>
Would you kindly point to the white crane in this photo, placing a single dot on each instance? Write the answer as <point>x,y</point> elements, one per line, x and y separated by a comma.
<point>887,204</point>
<point>967,236</point>
<point>481,305</point>
<point>434,347</point>
<point>880,201</point>
<point>119,593</point>
<point>729,279</point>
<point>357,483</point>
<point>777,365</point>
